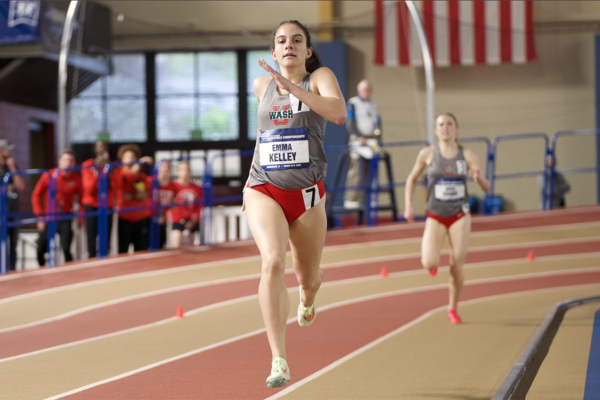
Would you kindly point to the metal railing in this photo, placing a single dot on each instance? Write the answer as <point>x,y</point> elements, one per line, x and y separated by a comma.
<point>11,219</point>
<point>554,317</point>
<point>372,188</point>
<point>492,159</point>
<point>553,170</point>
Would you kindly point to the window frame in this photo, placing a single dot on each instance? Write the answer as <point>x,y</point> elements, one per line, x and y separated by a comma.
<point>151,145</point>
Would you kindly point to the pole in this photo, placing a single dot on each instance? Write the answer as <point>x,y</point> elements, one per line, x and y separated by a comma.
<point>65,43</point>
<point>428,63</point>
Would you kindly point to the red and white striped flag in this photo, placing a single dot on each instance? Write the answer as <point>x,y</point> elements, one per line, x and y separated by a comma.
<point>458,32</point>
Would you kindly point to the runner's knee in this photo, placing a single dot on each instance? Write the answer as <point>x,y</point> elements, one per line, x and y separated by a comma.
<point>273,266</point>
<point>456,274</point>
<point>429,262</point>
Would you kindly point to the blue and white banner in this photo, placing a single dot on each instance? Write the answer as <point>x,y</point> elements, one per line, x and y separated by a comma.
<point>19,22</point>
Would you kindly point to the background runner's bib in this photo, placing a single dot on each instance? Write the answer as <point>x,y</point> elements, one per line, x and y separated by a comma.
<point>447,193</point>
<point>282,149</point>
<point>450,189</point>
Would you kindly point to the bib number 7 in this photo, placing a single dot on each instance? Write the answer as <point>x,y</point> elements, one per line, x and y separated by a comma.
<point>311,196</point>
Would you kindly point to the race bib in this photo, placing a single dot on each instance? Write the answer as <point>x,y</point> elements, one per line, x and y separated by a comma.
<point>311,196</point>
<point>447,189</point>
<point>297,105</point>
<point>282,149</point>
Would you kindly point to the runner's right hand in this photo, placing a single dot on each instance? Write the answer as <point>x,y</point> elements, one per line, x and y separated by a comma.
<point>409,214</point>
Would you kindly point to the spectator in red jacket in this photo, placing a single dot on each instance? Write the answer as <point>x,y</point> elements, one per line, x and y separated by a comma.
<point>133,190</point>
<point>167,190</point>
<point>186,218</point>
<point>68,184</point>
<point>90,193</point>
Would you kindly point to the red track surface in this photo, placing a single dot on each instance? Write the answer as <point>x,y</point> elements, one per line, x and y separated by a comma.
<point>238,370</point>
<point>143,311</point>
<point>28,282</point>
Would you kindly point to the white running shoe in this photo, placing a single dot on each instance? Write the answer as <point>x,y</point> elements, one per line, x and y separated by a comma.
<point>280,373</point>
<point>306,315</point>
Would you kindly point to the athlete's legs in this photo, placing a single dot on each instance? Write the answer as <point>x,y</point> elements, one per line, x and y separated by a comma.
<point>271,233</point>
<point>307,237</point>
<point>433,240</point>
<point>458,235</point>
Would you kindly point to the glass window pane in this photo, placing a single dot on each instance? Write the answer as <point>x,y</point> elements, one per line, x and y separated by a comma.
<point>233,163</point>
<point>95,89</point>
<point>218,72</point>
<point>127,120</point>
<point>197,162</point>
<point>174,118</point>
<point>129,75</point>
<point>215,159</point>
<point>219,117</point>
<point>85,120</point>
<point>253,69</point>
<point>175,73</point>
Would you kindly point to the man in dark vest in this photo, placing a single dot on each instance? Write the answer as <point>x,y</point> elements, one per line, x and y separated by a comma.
<point>15,185</point>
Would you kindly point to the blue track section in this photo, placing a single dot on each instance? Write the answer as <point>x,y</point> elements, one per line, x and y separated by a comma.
<point>592,380</point>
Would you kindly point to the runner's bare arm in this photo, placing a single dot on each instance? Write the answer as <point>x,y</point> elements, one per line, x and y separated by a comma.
<point>420,164</point>
<point>473,165</point>
<point>327,101</point>
<point>260,86</point>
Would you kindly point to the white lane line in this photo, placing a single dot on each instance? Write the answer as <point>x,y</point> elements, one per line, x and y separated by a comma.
<point>134,329</point>
<point>327,249</point>
<point>476,219</point>
<point>499,232</point>
<point>123,259</point>
<point>396,227</point>
<point>403,328</point>
<point>323,308</point>
<point>291,320</point>
<point>290,271</point>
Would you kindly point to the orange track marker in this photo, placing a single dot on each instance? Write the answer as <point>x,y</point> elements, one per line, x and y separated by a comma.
<point>383,272</point>
<point>530,257</point>
<point>179,313</point>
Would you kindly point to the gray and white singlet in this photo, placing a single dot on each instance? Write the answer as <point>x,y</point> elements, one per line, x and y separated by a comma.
<point>289,150</point>
<point>447,185</point>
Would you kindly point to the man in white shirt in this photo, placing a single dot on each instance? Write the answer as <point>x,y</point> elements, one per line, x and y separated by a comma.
<point>364,130</point>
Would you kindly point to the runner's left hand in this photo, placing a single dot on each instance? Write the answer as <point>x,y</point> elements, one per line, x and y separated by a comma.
<point>282,82</point>
<point>475,173</point>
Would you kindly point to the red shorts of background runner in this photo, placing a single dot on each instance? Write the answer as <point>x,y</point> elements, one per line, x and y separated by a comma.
<point>291,201</point>
<point>447,221</point>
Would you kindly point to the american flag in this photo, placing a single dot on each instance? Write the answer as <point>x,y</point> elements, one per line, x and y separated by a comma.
<point>458,32</point>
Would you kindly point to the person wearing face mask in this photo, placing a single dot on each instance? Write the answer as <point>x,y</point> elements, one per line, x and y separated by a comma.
<point>68,185</point>
<point>364,133</point>
<point>284,196</point>
<point>448,165</point>
<point>16,184</point>
<point>89,175</point>
<point>133,189</point>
